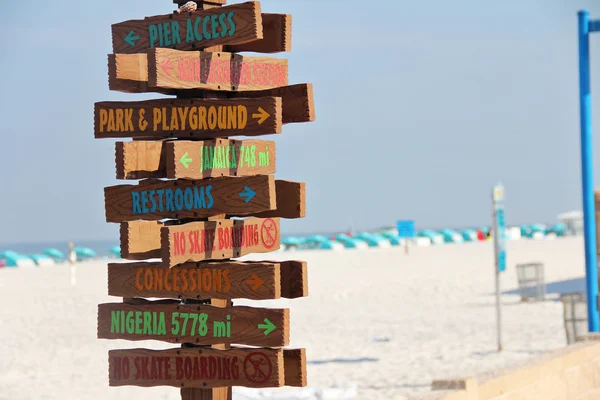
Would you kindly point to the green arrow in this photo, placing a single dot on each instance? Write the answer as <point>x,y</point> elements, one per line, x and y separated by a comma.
<point>131,38</point>
<point>268,326</point>
<point>185,160</point>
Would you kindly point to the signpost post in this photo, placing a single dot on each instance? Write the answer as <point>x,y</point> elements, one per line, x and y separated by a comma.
<point>585,27</point>
<point>194,179</point>
<point>499,250</point>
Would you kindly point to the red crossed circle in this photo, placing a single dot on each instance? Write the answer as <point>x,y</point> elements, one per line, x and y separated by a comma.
<point>268,233</point>
<point>257,367</point>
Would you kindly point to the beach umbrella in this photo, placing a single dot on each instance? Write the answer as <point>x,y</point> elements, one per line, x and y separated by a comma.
<point>451,236</point>
<point>13,259</point>
<point>42,259</point>
<point>526,231</point>
<point>392,236</point>
<point>291,241</point>
<point>54,253</point>
<point>317,238</point>
<point>330,245</point>
<point>115,251</point>
<point>84,253</point>
<point>346,241</point>
<point>559,229</point>
<point>469,235</point>
<point>370,239</point>
<point>433,236</point>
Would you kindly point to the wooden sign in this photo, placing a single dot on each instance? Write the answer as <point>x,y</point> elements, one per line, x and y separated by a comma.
<point>194,160</point>
<point>235,24</point>
<point>193,323</point>
<point>129,73</point>
<point>215,71</point>
<point>218,240</point>
<point>193,118</point>
<point>140,240</point>
<point>277,36</point>
<point>291,201</point>
<point>156,199</point>
<point>254,280</point>
<point>221,157</point>
<point>207,368</point>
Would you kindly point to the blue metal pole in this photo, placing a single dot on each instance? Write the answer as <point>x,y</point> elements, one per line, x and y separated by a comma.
<point>587,176</point>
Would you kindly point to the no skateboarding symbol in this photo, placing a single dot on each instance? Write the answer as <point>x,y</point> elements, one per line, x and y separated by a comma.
<point>257,367</point>
<point>268,233</point>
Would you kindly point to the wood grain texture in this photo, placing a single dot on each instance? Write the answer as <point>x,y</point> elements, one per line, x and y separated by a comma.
<point>243,158</point>
<point>295,367</point>
<point>197,367</point>
<point>223,280</point>
<point>291,201</point>
<point>218,240</point>
<point>140,160</point>
<point>163,159</point>
<point>154,200</point>
<point>277,36</point>
<point>297,100</point>
<point>140,240</point>
<point>234,24</point>
<point>287,279</point>
<point>165,322</point>
<point>173,69</point>
<point>189,118</point>
<point>294,279</point>
<point>126,73</point>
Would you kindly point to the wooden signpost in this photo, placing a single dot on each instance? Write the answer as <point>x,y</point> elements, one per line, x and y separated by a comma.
<point>163,69</point>
<point>194,159</point>
<point>207,368</point>
<point>155,199</point>
<point>235,24</point>
<point>183,198</point>
<point>193,323</point>
<point>188,118</point>
<point>179,214</point>
<point>255,280</point>
<point>215,71</point>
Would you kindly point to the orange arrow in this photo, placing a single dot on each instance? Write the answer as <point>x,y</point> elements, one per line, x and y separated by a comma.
<point>261,115</point>
<point>255,282</point>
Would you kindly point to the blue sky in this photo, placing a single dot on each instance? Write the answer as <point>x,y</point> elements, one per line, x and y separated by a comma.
<point>421,107</point>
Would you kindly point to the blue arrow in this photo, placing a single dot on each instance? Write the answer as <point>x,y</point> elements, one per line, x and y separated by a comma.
<point>248,194</point>
<point>131,38</point>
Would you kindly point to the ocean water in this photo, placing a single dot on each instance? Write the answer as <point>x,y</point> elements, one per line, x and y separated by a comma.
<point>101,247</point>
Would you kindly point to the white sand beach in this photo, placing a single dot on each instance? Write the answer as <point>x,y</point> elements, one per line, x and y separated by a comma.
<point>384,321</point>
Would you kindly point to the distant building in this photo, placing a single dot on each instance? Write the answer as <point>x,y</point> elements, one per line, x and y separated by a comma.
<point>573,220</point>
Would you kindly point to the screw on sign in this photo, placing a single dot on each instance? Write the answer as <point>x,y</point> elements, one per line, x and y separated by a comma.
<point>257,367</point>
<point>268,233</point>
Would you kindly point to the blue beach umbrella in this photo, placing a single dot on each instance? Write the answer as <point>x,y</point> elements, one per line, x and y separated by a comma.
<point>347,242</point>
<point>84,253</point>
<point>392,237</point>
<point>40,258</point>
<point>469,235</point>
<point>12,258</point>
<point>54,254</point>
<point>559,229</point>
<point>115,251</point>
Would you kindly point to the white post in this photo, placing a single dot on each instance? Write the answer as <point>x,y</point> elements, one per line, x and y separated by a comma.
<point>72,261</point>
<point>499,250</point>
